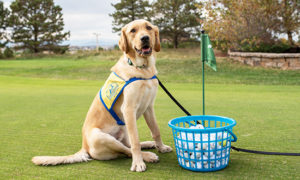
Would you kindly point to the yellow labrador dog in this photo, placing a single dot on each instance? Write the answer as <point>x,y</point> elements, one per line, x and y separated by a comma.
<point>110,129</point>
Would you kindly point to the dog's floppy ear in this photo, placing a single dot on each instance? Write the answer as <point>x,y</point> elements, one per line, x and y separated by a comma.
<point>123,45</point>
<point>157,40</point>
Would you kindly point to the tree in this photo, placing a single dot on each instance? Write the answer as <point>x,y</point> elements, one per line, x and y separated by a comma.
<point>37,25</point>
<point>290,18</point>
<point>129,10</point>
<point>177,19</point>
<point>241,24</point>
<point>8,53</point>
<point>3,25</point>
<point>251,24</point>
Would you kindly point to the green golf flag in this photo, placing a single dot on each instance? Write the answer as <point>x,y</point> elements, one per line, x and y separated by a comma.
<point>207,53</point>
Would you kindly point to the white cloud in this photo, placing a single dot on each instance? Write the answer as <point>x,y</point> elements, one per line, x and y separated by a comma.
<point>83,18</point>
<point>82,26</point>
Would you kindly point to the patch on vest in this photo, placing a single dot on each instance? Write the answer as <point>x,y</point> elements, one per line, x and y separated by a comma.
<point>111,89</point>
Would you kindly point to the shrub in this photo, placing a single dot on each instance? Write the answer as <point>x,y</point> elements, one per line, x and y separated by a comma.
<point>276,48</point>
<point>60,49</point>
<point>189,44</point>
<point>255,45</point>
<point>166,45</point>
<point>8,53</point>
<point>1,55</point>
<point>116,47</point>
<point>221,45</point>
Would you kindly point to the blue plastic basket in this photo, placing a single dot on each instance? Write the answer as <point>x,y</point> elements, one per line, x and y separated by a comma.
<point>205,149</point>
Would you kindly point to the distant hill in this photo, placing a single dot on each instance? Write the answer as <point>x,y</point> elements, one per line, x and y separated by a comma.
<point>105,43</point>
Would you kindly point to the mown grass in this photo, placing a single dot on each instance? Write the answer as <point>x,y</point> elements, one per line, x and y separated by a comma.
<point>43,103</point>
<point>180,66</point>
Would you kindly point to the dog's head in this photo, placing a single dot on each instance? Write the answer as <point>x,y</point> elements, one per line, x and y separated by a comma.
<point>140,37</point>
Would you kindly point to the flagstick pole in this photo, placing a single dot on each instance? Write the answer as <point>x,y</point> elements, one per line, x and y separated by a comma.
<point>203,90</point>
<point>203,87</point>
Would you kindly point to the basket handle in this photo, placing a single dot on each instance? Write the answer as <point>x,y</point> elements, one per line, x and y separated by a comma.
<point>232,134</point>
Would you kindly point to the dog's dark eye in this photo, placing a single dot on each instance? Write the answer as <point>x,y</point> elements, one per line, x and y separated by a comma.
<point>148,27</point>
<point>132,30</point>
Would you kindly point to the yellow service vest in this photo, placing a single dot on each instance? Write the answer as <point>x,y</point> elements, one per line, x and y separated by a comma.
<point>112,89</point>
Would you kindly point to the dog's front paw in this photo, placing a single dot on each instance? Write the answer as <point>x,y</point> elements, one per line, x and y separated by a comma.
<point>164,149</point>
<point>150,157</point>
<point>138,166</point>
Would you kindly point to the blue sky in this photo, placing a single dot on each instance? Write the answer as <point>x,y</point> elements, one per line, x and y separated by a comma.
<point>85,17</point>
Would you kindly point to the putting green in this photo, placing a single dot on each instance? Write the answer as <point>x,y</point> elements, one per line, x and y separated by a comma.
<point>44,117</point>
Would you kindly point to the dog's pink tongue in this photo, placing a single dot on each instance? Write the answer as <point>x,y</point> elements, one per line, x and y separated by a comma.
<point>146,50</point>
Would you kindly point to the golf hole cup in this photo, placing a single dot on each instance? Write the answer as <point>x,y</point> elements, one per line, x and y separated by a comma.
<point>203,142</point>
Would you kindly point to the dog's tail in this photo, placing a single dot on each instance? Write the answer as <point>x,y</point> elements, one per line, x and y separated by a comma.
<point>81,156</point>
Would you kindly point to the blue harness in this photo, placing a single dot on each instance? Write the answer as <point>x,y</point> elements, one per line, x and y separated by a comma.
<point>111,91</point>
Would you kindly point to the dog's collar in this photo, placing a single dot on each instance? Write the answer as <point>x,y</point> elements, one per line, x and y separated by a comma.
<point>131,64</point>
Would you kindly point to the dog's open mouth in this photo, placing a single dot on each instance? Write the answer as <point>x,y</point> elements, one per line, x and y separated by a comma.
<point>146,50</point>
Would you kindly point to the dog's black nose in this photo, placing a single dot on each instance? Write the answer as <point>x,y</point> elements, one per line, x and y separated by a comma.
<point>145,38</point>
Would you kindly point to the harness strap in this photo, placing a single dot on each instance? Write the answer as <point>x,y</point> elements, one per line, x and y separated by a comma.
<point>110,110</point>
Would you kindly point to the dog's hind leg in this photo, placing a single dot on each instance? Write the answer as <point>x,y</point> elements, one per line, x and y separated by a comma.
<point>148,145</point>
<point>103,146</point>
<point>144,145</point>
